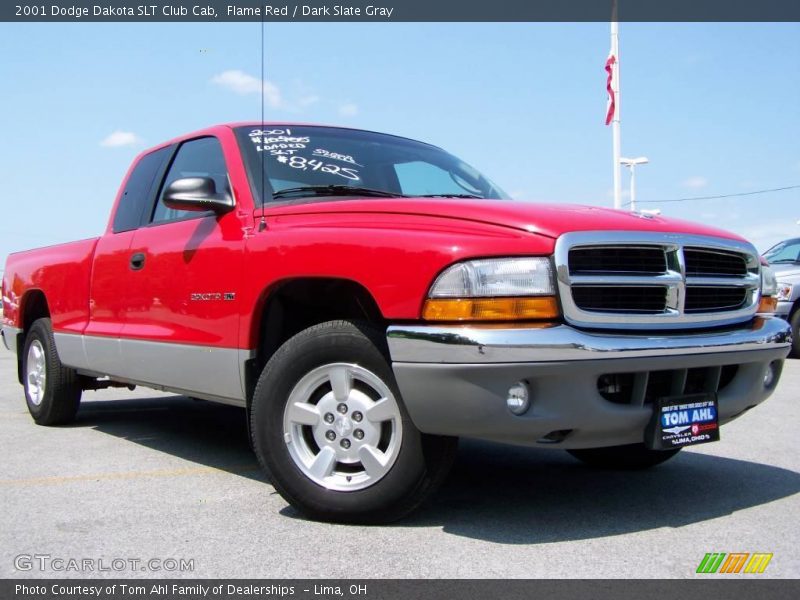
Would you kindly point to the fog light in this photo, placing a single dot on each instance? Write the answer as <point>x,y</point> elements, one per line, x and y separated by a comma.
<point>518,398</point>
<point>769,376</point>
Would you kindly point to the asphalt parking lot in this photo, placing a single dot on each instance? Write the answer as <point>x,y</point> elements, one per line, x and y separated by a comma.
<point>147,475</point>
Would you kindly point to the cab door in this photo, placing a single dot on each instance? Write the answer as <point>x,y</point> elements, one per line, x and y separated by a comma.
<point>182,319</point>
<point>108,300</point>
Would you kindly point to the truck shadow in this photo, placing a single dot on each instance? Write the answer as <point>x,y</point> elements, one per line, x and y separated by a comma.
<point>515,495</point>
<point>497,493</point>
<point>210,435</point>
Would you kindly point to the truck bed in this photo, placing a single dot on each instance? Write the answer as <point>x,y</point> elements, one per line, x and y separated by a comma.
<point>61,272</point>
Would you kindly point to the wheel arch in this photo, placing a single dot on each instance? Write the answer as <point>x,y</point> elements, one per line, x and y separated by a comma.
<point>292,305</point>
<point>33,306</point>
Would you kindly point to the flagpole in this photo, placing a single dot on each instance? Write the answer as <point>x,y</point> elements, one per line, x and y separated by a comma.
<point>615,120</point>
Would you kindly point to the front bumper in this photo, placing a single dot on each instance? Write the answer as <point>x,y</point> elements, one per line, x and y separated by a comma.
<point>454,379</point>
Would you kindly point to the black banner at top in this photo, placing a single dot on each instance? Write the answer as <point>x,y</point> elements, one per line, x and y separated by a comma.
<point>397,10</point>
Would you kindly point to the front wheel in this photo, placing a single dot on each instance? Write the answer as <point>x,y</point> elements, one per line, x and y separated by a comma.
<point>795,323</point>
<point>52,391</point>
<point>329,427</point>
<point>628,457</point>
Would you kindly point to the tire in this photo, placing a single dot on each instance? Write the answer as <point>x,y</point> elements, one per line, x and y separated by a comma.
<point>794,321</point>
<point>625,458</point>
<point>52,391</point>
<point>378,467</point>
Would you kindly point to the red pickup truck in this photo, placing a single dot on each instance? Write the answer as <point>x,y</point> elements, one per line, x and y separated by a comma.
<point>368,299</point>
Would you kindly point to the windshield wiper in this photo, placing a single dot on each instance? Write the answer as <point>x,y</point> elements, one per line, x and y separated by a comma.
<point>782,261</point>
<point>335,190</point>
<point>451,196</point>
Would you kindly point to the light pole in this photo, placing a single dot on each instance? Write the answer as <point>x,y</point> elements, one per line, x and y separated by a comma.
<point>631,164</point>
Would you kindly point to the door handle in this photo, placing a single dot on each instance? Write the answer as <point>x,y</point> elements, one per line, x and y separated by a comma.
<point>137,261</point>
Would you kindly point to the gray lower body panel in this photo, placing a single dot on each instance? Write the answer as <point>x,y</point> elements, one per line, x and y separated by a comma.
<point>469,398</point>
<point>10,336</point>
<point>203,371</point>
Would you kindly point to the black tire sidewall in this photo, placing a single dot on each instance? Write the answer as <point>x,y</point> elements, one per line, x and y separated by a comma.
<point>315,347</point>
<point>794,321</point>
<point>61,392</point>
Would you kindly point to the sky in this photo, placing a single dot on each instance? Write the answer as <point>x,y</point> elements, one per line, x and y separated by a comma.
<point>715,107</point>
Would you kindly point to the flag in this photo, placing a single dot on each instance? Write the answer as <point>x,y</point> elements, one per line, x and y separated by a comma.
<point>611,107</point>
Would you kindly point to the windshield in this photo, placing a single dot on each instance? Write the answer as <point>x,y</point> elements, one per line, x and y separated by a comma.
<point>784,252</point>
<point>308,161</point>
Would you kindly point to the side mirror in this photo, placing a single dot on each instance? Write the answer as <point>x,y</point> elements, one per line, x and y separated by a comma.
<point>196,194</point>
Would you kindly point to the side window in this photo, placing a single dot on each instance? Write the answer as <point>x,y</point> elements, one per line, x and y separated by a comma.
<point>418,178</point>
<point>195,158</point>
<point>137,191</point>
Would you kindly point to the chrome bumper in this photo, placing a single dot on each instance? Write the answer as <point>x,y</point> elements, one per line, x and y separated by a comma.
<point>454,380</point>
<point>557,343</point>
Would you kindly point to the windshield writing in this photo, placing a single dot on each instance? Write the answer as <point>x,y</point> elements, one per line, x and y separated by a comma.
<point>308,160</point>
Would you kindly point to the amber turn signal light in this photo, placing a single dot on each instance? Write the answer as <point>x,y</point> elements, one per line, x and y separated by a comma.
<point>768,304</point>
<point>490,309</point>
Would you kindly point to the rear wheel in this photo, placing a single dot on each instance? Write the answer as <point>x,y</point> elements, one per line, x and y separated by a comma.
<point>52,391</point>
<point>329,427</point>
<point>629,457</point>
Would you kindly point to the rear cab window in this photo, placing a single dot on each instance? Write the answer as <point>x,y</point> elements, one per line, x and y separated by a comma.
<point>138,192</point>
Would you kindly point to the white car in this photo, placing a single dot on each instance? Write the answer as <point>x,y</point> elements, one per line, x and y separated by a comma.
<point>784,258</point>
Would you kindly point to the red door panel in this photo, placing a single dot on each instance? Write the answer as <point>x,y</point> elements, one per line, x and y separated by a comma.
<point>108,300</point>
<point>186,290</point>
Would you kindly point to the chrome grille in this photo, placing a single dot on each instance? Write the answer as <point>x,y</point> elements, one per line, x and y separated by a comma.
<point>617,260</point>
<point>598,298</point>
<point>702,262</point>
<point>655,280</point>
<point>703,299</point>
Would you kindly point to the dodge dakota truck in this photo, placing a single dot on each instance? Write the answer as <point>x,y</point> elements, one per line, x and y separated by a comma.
<point>369,299</point>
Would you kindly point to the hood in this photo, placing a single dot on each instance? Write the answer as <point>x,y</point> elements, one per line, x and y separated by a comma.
<point>551,220</point>
<point>786,270</point>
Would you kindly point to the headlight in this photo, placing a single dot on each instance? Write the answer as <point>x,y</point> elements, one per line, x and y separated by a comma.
<point>495,289</point>
<point>495,277</point>
<point>769,289</point>
<point>769,284</point>
<point>784,293</point>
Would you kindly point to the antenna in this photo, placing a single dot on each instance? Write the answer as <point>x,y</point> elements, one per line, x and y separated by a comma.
<point>263,224</point>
